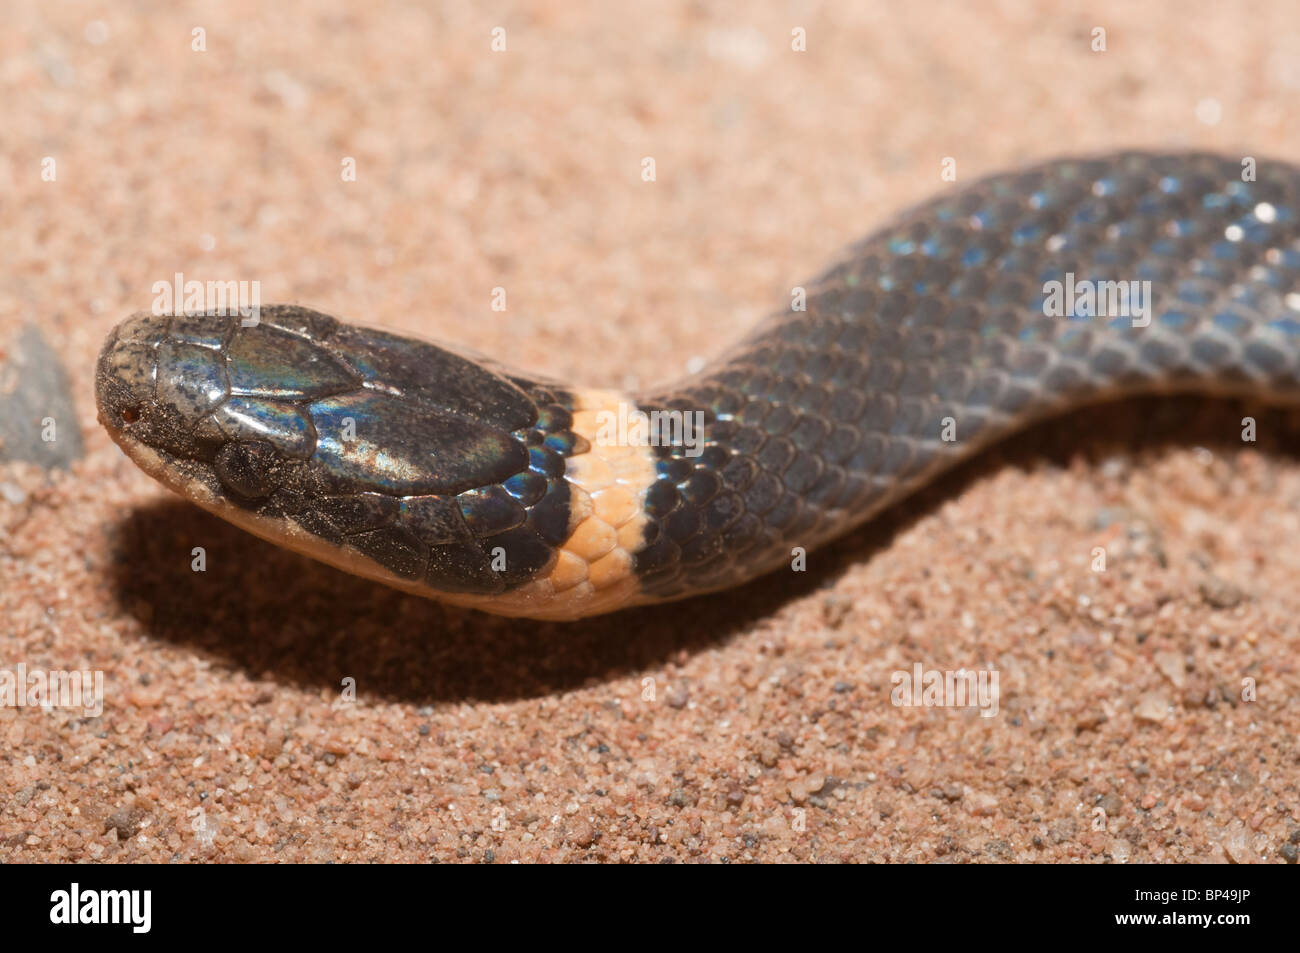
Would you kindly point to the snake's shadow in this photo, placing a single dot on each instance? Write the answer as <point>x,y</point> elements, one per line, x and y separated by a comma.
<point>277,615</point>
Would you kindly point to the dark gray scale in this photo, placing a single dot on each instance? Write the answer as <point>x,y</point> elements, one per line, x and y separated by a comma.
<point>434,519</point>
<point>490,510</point>
<point>823,417</point>
<point>266,362</point>
<point>201,330</point>
<point>386,443</point>
<point>428,376</point>
<point>360,512</point>
<point>286,426</point>
<point>525,554</point>
<point>395,548</point>
<point>302,322</point>
<point>192,380</point>
<point>335,517</point>
<point>464,568</point>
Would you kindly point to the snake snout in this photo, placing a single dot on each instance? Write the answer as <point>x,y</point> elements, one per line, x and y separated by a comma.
<point>159,375</point>
<point>127,371</point>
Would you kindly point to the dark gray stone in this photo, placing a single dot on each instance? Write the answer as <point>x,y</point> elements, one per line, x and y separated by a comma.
<point>33,389</point>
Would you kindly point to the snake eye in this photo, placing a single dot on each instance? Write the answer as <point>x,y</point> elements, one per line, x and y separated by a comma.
<point>247,468</point>
<point>130,414</point>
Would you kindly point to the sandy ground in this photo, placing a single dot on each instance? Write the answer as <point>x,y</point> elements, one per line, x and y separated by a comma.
<point>1147,712</point>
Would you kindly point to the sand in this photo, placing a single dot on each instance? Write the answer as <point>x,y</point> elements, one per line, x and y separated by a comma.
<point>270,709</point>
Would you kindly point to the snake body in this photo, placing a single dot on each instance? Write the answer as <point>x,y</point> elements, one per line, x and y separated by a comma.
<point>446,474</point>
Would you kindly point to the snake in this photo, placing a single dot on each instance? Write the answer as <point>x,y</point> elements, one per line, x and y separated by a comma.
<point>994,305</point>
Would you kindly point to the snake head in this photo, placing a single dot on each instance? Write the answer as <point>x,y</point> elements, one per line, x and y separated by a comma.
<point>390,457</point>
